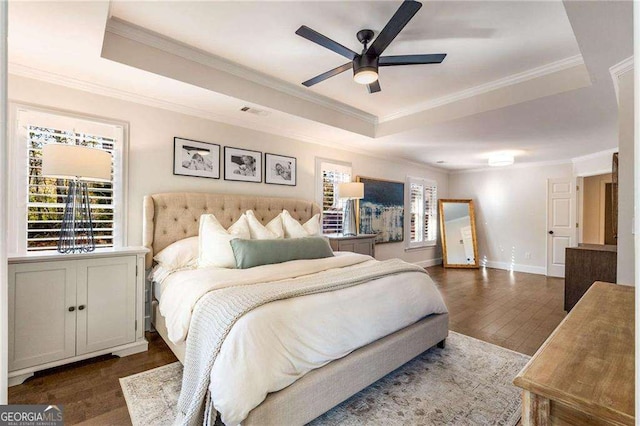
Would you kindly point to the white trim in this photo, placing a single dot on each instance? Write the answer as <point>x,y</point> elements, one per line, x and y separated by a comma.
<point>513,166</point>
<point>174,47</point>
<point>17,177</point>
<point>510,80</point>
<point>617,70</point>
<point>411,245</point>
<point>429,262</point>
<point>606,152</point>
<point>529,269</point>
<point>318,175</point>
<point>4,204</point>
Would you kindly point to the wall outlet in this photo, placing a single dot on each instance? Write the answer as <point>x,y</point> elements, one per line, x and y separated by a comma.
<point>527,255</point>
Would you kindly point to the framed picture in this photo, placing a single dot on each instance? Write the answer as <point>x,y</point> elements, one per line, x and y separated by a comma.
<point>195,158</point>
<point>280,170</point>
<point>242,165</point>
<point>382,209</point>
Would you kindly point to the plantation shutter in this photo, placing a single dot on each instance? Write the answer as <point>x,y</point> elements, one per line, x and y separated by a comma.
<point>332,206</point>
<point>423,203</point>
<point>44,197</point>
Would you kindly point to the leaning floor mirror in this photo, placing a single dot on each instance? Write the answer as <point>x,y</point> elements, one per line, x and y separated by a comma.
<point>458,234</point>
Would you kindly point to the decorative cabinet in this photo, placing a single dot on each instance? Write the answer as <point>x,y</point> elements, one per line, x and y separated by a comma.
<point>362,243</point>
<point>65,308</point>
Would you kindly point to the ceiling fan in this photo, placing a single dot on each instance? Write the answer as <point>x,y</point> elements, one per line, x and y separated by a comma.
<point>365,65</point>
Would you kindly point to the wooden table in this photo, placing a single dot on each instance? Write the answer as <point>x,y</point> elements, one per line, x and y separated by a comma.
<point>584,373</point>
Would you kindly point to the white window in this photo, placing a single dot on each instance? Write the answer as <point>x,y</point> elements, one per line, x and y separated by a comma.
<point>328,175</point>
<point>40,200</point>
<point>423,210</point>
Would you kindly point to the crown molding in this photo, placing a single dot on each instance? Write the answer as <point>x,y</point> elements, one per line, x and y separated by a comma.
<point>618,70</point>
<point>593,156</point>
<point>510,80</point>
<point>512,167</point>
<point>149,38</point>
<point>73,83</point>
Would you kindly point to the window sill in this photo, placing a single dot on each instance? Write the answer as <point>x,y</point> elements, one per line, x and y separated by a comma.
<point>423,247</point>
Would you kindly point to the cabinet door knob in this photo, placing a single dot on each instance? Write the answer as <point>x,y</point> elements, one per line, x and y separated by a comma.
<point>72,308</point>
<point>81,307</point>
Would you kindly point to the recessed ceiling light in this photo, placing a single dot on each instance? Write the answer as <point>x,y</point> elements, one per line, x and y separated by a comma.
<point>501,159</point>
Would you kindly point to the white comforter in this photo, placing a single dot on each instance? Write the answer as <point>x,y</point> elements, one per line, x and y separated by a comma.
<point>277,343</point>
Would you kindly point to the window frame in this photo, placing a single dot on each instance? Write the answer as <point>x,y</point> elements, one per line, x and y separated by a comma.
<point>410,245</point>
<point>18,175</point>
<point>319,192</point>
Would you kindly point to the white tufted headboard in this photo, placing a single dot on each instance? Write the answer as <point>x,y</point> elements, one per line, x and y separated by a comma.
<point>172,216</point>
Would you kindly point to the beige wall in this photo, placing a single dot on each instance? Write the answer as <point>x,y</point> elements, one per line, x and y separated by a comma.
<point>626,251</point>
<point>151,154</point>
<point>511,213</point>
<point>593,208</point>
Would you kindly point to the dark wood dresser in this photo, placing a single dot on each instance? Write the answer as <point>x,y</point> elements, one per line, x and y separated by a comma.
<point>585,265</point>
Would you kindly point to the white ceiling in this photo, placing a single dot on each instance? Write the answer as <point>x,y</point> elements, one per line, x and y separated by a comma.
<point>485,40</point>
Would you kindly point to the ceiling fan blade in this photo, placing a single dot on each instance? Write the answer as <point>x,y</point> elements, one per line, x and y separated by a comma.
<point>401,18</point>
<point>374,87</point>
<point>325,41</point>
<point>330,73</point>
<point>387,61</point>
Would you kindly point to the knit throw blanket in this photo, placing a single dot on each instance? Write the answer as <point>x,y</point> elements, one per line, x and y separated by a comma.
<point>217,311</point>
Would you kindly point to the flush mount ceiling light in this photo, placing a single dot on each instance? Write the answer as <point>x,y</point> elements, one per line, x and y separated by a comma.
<point>502,159</point>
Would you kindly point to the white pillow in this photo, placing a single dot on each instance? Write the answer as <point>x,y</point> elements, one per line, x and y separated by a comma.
<point>181,254</point>
<point>259,231</point>
<point>293,229</point>
<point>215,247</point>
<point>312,226</point>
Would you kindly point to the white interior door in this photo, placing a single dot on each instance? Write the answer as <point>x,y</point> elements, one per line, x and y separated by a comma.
<point>561,223</point>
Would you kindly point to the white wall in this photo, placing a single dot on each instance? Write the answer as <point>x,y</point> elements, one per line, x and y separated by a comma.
<point>3,204</point>
<point>151,155</point>
<point>626,251</point>
<point>511,213</point>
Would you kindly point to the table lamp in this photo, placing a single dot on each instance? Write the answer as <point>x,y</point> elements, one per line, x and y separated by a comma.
<point>350,191</point>
<point>78,164</point>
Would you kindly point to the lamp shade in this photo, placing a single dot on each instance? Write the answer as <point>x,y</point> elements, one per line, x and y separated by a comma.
<point>351,190</point>
<point>70,161</point>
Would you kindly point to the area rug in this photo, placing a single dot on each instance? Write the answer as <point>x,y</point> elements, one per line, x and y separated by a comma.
<point>467,383</point>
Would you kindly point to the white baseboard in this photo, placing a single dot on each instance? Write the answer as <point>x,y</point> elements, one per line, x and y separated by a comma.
<point>539,270</point>
<point>429,262</point>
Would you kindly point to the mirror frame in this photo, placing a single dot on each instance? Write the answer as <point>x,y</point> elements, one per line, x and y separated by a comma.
<point>472,217</point>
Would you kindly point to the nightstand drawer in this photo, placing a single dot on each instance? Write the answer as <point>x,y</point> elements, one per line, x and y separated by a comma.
<point>363,244</point>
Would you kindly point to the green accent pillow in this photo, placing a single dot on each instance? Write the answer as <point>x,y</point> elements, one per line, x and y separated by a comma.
<point>250,253</point>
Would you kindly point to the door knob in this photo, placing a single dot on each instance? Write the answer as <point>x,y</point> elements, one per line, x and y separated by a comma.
<point>81,307</point>
<point>550,232</point>
<point>72,308</point>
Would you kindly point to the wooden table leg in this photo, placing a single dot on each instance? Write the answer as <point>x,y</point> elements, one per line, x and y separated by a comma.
<point>535,409</point>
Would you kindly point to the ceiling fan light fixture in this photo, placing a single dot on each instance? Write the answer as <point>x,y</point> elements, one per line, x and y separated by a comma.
<point>365,76</point>
<point>365,69</point>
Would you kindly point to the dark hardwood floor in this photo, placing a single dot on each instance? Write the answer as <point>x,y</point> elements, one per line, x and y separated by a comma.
<point>514,310</point>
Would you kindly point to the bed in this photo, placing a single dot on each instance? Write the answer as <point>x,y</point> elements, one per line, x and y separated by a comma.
<point>170,217</point>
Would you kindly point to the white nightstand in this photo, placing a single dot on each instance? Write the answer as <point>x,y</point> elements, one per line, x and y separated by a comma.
<point>362,243</point>
<point>65,308</point>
